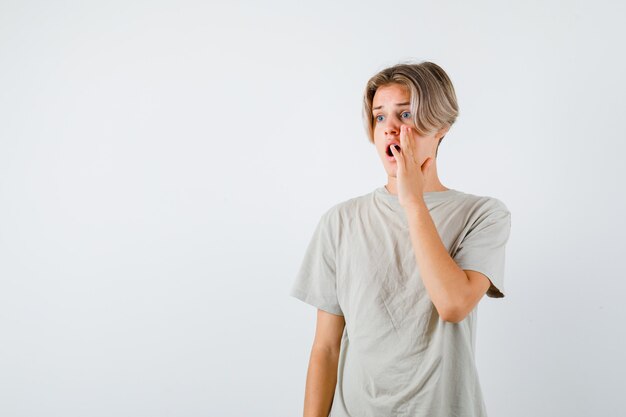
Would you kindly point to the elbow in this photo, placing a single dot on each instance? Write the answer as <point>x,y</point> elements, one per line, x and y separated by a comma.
<point>452,315</point>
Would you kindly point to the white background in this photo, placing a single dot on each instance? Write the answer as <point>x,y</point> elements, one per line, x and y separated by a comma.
<point>163,165</point>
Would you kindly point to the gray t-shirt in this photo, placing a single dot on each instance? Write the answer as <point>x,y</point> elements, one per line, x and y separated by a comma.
<point>397,357</point>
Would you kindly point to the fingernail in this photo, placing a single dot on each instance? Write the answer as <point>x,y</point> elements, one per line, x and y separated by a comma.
<point>397,148</point>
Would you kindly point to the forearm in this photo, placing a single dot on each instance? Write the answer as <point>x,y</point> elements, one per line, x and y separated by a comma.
<point>446,283</point>
<point>320,382</point>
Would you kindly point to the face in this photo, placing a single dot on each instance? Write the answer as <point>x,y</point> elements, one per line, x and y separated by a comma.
<point>391,108</point>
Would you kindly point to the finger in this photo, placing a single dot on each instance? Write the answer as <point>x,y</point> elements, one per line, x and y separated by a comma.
<point>403,139</point>
<point>397,154</point>
<point>409,142</point>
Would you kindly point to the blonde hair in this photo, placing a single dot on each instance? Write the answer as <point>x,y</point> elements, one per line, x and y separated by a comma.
<point>433,100</point>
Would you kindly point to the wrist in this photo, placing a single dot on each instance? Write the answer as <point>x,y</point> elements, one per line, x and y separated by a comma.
<point>415,206</point>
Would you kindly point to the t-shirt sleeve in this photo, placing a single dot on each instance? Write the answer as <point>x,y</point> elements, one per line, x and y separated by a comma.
<point>483,248</point>
<point>316,282</point>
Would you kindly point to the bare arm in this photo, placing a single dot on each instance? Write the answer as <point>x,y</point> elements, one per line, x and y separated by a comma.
<point>453,291</point>
<point>322,373</point>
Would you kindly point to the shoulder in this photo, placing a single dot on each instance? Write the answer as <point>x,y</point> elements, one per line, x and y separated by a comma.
<point>347,209</point>
<point>484,205</point>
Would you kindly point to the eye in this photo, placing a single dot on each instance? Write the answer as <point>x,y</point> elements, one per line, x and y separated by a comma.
<point>378,118</point>
<point>407,113</point>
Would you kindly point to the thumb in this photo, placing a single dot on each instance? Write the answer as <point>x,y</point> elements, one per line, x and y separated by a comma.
<point>426,166</point>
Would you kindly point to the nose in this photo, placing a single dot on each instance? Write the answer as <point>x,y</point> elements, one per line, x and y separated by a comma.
<point>393,127</point>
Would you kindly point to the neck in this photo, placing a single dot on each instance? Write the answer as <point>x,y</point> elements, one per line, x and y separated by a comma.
<point>431,183</point>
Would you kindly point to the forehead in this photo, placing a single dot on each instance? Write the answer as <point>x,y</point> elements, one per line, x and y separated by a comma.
<point>390,93</point>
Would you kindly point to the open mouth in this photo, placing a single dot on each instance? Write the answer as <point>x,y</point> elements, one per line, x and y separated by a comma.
<point>389,149</point>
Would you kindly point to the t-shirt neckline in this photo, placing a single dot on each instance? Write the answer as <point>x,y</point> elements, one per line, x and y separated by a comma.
<point>429,196</point>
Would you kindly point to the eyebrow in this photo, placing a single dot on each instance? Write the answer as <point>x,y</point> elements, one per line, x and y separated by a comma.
<point>397,104</point>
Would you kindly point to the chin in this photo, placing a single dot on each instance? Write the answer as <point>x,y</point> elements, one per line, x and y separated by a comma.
<point>390,168</point>
<point>392,172</point>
